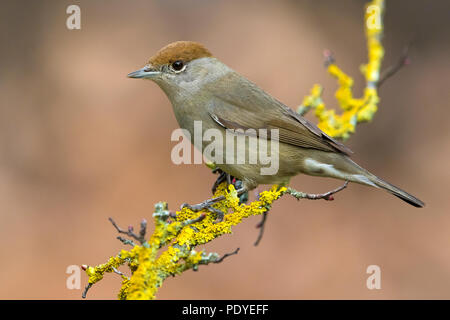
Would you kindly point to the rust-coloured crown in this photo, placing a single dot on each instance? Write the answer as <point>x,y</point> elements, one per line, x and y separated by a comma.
<point>180,50</point>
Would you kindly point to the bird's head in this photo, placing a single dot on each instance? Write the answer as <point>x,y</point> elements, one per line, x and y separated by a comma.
<point>180,64</point>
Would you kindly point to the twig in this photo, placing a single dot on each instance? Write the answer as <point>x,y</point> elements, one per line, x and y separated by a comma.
<point>126,241</point>
<point>329,58</point>
<point>261,226</point>
<point>207,203</point>
<point>227,255</point>
<point>326,196</point>
<point>85,291</point>
<point>192,221</point>
<point>220,214</point>
<point>389,72</point>
<point>120,273</point>
<point>143,229</point>
<point>262,223</point>
<point>202,205</point>
<point>130,233</point>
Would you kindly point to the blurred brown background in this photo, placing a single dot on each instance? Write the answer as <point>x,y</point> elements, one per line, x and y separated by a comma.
<point>79,142</point>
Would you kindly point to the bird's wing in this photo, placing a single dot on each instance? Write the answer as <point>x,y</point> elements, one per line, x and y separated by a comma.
<point>240,104</point>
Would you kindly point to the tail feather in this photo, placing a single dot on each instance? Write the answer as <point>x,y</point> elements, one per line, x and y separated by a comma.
<point>361,175</point>
<point>342,167</point>
<point>405,196</point>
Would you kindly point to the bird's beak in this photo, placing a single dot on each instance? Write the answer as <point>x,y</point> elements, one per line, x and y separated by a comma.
<point>147,72</point>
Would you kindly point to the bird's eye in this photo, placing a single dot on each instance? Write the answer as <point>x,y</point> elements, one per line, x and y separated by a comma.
<point>177,65</point>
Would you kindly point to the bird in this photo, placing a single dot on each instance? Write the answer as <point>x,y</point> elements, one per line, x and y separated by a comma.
<point>203,89</point>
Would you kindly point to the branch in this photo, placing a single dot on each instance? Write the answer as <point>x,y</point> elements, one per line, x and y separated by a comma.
<point>326,196</point>
<point>404,60</point>
<point>226,255</point>
<point>85,291</point>
<point>261,226</point>
<point>126,241</point>
<point>354,110</point>
<point>130,233</point>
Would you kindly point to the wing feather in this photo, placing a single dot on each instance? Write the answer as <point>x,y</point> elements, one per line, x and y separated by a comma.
<point>240,104</point>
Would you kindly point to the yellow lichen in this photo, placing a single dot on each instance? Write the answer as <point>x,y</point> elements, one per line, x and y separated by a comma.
<point>181,238</point>
<point>355,110</point>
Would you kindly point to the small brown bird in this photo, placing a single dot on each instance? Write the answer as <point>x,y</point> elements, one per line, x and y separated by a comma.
<point>202,88</point>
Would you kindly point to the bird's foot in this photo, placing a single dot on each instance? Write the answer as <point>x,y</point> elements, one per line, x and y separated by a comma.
<point>238,184</point>
<point>326,196</point>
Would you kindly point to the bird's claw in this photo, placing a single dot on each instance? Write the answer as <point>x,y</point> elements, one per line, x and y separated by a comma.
<point>223,176</point>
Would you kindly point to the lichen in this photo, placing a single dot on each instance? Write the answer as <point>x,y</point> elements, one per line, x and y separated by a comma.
<point>354,110</point>
<point>180,238</point>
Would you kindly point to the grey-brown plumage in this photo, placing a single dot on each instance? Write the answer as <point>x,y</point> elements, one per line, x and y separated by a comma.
<point>206,90</point>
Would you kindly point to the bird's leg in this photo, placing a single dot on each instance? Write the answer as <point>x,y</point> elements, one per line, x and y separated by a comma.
<point>326,196</point>
<point>207,204</point>
<point>223,176</point>
<point>238,184</point>
<point>229,179</point>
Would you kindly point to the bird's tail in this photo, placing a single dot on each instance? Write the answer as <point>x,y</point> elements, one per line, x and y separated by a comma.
<point>327,164</point>
<point>367,178</point>
<point>405,196</point>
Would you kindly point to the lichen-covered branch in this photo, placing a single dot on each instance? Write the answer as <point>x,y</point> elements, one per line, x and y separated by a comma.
<point>355,110</point>
<point>180,233</point>
<point>170,250</point>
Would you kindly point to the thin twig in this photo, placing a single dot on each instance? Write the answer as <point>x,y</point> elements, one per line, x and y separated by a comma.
<point>126,241</point>
<point>192,221</point>
<point>204,204</point>
<point>143,229</point>
<point>329,58</point>
<point>220,214</point>
<point>262,223</point>
<point>85,291</point>
<point>389,72</point>
<point>207,203</point>
<point>130,233</point>
<point>120,273</point>
<point>261,226</point>
<point>227,255</point>
<point>326,196</point>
